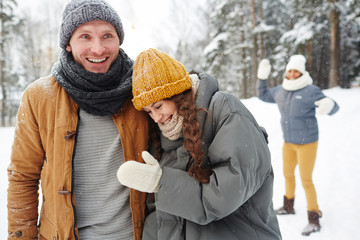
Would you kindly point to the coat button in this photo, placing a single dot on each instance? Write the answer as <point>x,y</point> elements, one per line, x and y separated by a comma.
<point>18,233</point>
<point>54,238</point>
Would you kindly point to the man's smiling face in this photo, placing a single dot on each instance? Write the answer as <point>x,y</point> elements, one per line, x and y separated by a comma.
<point>95,45</point>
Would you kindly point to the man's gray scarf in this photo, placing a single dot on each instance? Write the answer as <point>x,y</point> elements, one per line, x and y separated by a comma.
<point>97,93</point>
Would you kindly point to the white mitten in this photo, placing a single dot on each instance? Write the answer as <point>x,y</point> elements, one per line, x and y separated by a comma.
<point>140,176</point>
<point>264,69</point>
<point>324,106</point>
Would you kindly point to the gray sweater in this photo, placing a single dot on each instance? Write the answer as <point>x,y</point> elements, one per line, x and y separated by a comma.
<point>102,203</point>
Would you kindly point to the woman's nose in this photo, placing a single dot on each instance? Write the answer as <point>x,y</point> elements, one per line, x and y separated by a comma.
<point>156,117</point>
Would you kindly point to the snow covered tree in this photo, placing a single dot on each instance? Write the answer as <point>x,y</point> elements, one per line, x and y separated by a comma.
<point>335,44</point>
<point>349,22</point>
<point>325,32</point>
<point>191,31</point>
<point>272,26</point>
<point>228,55</point>
<point>42,51</point>
<point>29,45</point>
<point>8,23</point>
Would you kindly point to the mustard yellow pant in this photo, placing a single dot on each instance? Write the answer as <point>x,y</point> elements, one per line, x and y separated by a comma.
<point>304,156</point>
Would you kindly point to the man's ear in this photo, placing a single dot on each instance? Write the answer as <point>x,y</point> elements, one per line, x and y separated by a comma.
<point>68,48</point>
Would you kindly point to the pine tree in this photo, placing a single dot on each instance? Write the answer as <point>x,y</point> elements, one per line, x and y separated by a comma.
<point>8,22</point>
<point>228,55</point>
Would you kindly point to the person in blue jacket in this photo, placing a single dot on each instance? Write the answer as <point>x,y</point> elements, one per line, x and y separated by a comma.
<point>298,101</point>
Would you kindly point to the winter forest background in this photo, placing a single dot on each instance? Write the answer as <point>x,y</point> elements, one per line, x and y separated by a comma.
<point>226,38</point>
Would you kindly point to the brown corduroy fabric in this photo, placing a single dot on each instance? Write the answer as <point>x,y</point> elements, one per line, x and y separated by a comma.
<point>157,76</point>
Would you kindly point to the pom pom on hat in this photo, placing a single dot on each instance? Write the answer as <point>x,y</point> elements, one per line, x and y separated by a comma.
<point>297,62</point>
<point>157,76</point>
<point>78,12</point>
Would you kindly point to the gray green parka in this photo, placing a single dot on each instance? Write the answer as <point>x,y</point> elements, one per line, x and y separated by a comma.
<point>237,202</point>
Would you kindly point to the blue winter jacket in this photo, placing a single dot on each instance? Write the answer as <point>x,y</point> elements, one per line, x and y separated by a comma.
<point>297,109</point>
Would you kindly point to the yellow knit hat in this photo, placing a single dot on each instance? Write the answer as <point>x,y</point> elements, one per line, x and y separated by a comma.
<point>157,76</point>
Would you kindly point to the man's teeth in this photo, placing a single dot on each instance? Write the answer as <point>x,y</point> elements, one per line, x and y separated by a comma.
<point>97,60</point>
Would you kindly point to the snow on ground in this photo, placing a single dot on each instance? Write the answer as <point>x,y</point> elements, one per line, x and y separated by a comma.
<point>336,174</point>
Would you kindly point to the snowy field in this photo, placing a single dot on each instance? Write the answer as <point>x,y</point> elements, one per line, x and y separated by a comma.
<point>336,174</point>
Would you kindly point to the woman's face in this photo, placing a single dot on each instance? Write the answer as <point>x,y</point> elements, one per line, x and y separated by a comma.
<point>293,74</point>
<point>161,111</point>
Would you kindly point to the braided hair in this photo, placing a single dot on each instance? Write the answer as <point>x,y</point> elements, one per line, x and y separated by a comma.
<point>186,107</point>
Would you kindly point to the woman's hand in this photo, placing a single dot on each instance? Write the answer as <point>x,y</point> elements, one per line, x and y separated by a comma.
<point>140,176</point>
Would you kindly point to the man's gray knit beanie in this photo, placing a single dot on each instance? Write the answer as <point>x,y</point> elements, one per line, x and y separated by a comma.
<point>78,12</point>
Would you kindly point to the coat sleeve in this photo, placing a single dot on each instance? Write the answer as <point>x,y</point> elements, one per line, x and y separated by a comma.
<point>264,93</point>
<point>24,173</point>
<point>318,95</point>
<point>240,161</point>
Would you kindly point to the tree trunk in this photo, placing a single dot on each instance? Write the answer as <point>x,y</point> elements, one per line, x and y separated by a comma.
<point>334,48</point>
<point>243,57</point>
<point>2,67</point>
<point>255,47</point>
<point>262,49</point>
<point>310,57</point>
